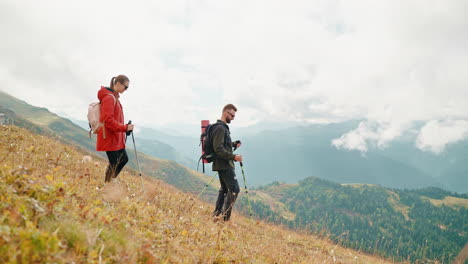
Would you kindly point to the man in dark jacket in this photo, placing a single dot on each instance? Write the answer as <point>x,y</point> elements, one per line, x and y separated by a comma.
<point>223,163</point>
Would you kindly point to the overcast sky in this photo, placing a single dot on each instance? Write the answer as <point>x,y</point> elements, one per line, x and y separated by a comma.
<point>389,63</point>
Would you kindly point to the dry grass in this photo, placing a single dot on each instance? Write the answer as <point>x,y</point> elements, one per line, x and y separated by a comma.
<point>449,201</point>
<point>394,200</point>
<point>462,256</point>
<point>54,208</point>
<point>359,185</point>
<point>275,205</point>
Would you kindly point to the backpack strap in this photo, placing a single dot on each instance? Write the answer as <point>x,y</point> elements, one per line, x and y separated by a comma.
<point>102,124</point>
<point>226,132</point>
<point>115,100</point>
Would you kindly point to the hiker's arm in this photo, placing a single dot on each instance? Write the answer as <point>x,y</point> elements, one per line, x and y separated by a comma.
<point>218,144</point>
<point>107,113</point>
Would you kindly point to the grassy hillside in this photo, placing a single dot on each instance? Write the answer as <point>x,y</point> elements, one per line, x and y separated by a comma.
<point>41,121</point>
<point>429,225</point>
<point>173,173</point>
<point>54,208</point>
<point>48,122</point>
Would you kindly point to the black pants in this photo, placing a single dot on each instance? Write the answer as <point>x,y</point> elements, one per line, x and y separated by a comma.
<point>117,160</point>
<point>227,193</point>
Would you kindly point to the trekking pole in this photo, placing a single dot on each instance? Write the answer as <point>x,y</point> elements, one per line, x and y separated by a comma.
<point>206,186</point>
<point>136,156</point>
<point>246,191</point>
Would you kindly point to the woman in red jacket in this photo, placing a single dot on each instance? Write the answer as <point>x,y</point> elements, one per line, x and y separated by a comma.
<point>111,136</point>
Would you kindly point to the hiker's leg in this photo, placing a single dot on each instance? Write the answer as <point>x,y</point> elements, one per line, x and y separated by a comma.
<point>113,157</point>
<point>122,160</point>
<point>233,191</point>
<point>221,196</point>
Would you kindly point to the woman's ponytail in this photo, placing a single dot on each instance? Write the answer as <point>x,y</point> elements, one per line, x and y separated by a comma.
<point>112,83</point>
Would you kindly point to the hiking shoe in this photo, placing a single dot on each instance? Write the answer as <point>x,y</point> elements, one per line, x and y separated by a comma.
<point>217,218</point>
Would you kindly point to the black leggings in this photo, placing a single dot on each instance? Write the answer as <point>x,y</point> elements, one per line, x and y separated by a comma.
<point>117,160</point>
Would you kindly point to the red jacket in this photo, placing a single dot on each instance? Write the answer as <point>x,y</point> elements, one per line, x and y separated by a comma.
<point>111,136</point>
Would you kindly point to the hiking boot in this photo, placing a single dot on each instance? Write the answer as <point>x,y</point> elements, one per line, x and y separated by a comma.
<point>217,218</point>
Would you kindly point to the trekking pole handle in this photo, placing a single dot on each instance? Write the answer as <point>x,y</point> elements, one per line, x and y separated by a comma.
<point>237,142</point>
<point>242,165</point>
<point>129,131</point>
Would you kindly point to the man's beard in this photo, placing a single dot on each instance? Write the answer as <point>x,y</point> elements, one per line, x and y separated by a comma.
<point>228,120</point>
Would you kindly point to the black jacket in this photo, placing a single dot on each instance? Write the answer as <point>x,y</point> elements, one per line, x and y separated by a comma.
<point>222,146</point>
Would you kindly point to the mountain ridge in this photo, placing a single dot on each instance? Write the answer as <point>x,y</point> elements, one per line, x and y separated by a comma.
<point>427,224</point>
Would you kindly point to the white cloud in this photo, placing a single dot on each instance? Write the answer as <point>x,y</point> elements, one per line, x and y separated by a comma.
<point>388,62</point>
<point>436,135</point>
<point>379,134</point>
<point>356,139</point>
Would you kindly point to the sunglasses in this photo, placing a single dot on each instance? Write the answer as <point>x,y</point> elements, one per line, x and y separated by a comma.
<point>126,87</point>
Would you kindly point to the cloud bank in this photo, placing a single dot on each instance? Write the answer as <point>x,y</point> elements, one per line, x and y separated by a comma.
<point>391,63</point>
<point>436,135</point>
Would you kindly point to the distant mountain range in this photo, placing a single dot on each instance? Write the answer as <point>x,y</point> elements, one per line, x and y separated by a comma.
<point>288,153</point>
<point>292,154</point>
